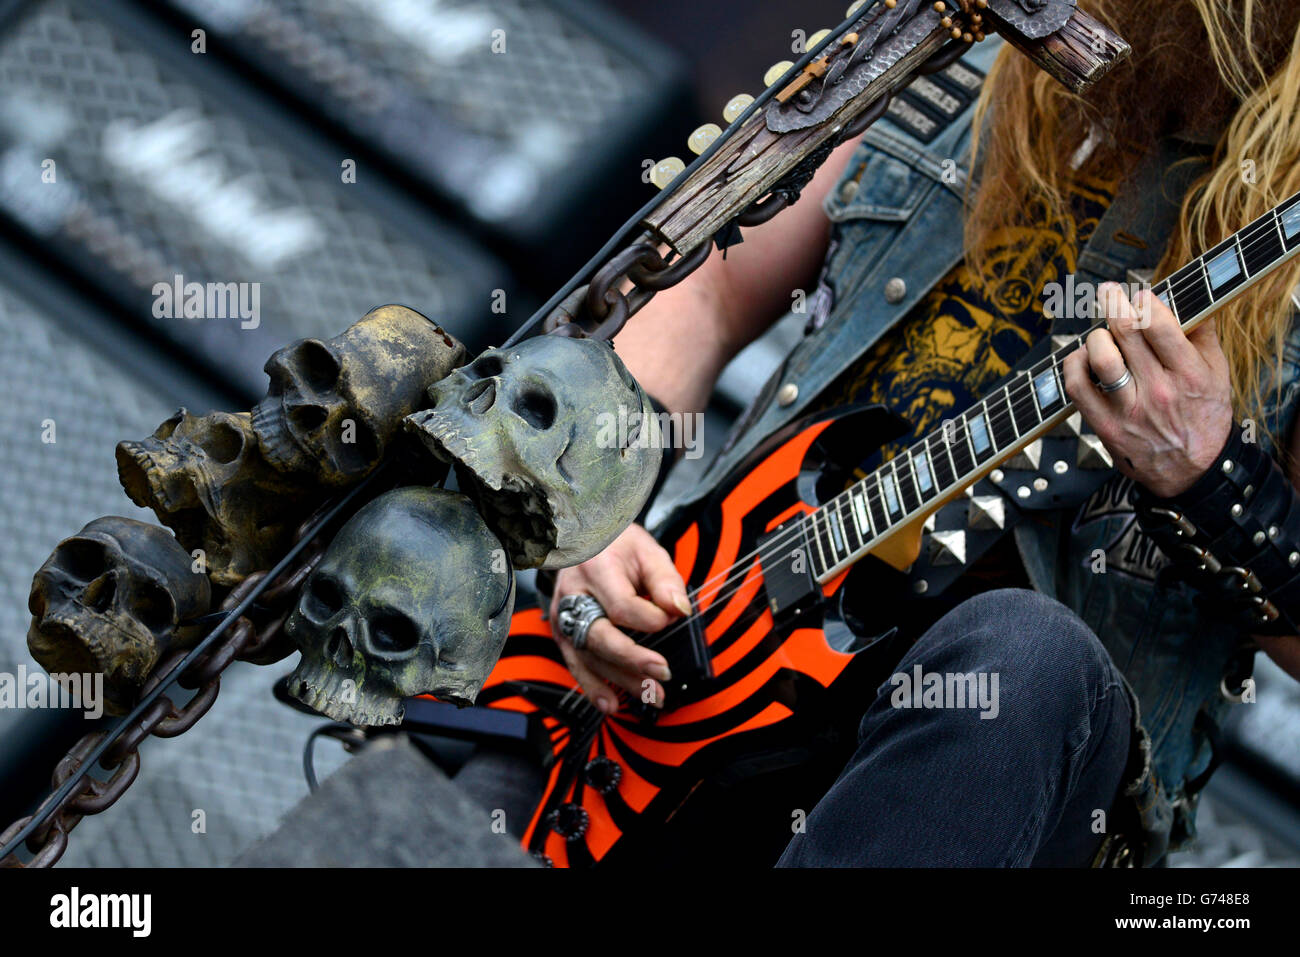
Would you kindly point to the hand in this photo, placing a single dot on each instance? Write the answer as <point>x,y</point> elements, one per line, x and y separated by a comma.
<point>633,566</point>
<point>1166,427</point>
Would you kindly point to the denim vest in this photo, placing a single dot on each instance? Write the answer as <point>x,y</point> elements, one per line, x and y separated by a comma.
<point>897,230</point>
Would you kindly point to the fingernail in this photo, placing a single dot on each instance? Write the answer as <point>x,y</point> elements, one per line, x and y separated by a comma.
<point>660,671</point>
<point>683,603</point>
<point>605,705</point>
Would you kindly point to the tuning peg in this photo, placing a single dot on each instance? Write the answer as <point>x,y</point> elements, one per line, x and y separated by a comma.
<point>735,106</point>
<point>666,170</point>
<point>854,7</point>
<point>816,38</point>
<point>703,138</point>
<point>776,71</point>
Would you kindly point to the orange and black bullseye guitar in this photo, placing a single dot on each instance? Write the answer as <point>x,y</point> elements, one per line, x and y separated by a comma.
<point>748,682</point>
<point>776,660</point>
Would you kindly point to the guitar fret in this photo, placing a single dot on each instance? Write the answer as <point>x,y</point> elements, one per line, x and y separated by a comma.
<point>817,541</point>
<point>876,504</point>
<point>1223,269</point>
<point>945,471</point>
<point>1262,244</point>
<point>1049,393</point>
<point>957,438</point>
<point>1024,409</point>
<point>1001,422</point>
<point>906,483</point>
<point>861,513</point>
<point>852,536</point>
<point>1288,223</point>
<point>979,435</point>
<point>1191,290</point>
<point>924,471</point>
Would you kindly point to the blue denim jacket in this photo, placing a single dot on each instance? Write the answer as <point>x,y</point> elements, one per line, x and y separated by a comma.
<point>898,223</point>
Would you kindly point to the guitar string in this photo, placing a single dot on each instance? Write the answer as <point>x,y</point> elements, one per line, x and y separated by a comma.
<point>1015,393</point>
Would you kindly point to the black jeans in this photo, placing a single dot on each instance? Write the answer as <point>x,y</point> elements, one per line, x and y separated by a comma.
<point>1001,740</point>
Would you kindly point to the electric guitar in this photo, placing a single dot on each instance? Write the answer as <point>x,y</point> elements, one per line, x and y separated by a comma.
<point>776,663</point>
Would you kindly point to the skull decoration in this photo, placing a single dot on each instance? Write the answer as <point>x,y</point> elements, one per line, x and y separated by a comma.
<point>412,597</point>
<point>555,441</point>
<point>334,406</point>
<point>112,599</point>
<point>205,478</point>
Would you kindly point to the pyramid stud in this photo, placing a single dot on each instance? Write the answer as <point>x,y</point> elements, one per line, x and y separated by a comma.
<point>703,138</point>
<point>1092,454</point>
<point>1027,458</point>
<point>666,170</point>
<point>929,523</point>
<point>735,106</point>
<point>948,548</point>
<point>986,512</point>
<point>1071,428</point>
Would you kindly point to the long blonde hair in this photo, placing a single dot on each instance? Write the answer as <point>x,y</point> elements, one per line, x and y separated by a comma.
<point>1229,67</point>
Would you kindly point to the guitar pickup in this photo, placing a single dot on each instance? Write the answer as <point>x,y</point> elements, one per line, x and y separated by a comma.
<point>787,572</point>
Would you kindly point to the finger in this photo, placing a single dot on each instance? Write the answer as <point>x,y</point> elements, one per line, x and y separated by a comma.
<point>610,583</point>
<point>1090,402</point>
<point>658,577</point>
<point>1205,340</point>
<point>1164,334</point>
<point>592,685</point>
<point>637,685</point>
<point>1106,362</point>
<point>605,641</point>
<point>1123,321</point>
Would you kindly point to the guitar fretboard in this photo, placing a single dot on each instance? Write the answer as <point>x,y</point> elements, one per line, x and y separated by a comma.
<point>1027,406</point>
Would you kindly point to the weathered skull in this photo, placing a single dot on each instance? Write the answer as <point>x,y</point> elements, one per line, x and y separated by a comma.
<point>205,478</point>
<point>555,441</point>
<point>413,596</point>
<point>112,599</point>
<point>334,406</point>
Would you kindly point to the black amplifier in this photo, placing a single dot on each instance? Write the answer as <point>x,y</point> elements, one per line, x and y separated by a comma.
<point>531,118</point>
<point>210,218</point>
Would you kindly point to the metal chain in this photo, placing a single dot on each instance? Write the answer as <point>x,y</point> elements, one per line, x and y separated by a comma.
<point>596,310</point>
<point>244,641</point>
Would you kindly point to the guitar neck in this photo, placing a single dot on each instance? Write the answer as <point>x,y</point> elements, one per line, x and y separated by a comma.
<point>1032,403</point>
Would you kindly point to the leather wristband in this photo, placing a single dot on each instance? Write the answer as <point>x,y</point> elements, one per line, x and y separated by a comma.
<point>1234,536</point>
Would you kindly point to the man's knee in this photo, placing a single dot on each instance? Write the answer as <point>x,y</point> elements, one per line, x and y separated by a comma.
<point>1035,645</point>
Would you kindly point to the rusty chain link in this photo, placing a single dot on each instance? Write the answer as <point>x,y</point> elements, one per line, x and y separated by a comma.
<point>118,749</point>
<point>598,309</point>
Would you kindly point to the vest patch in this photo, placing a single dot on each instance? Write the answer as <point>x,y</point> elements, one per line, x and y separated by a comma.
<point>930,103</point>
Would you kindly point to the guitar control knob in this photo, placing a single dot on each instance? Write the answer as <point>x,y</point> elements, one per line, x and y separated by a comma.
<point>569,820</point>
<point>603,774</point>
